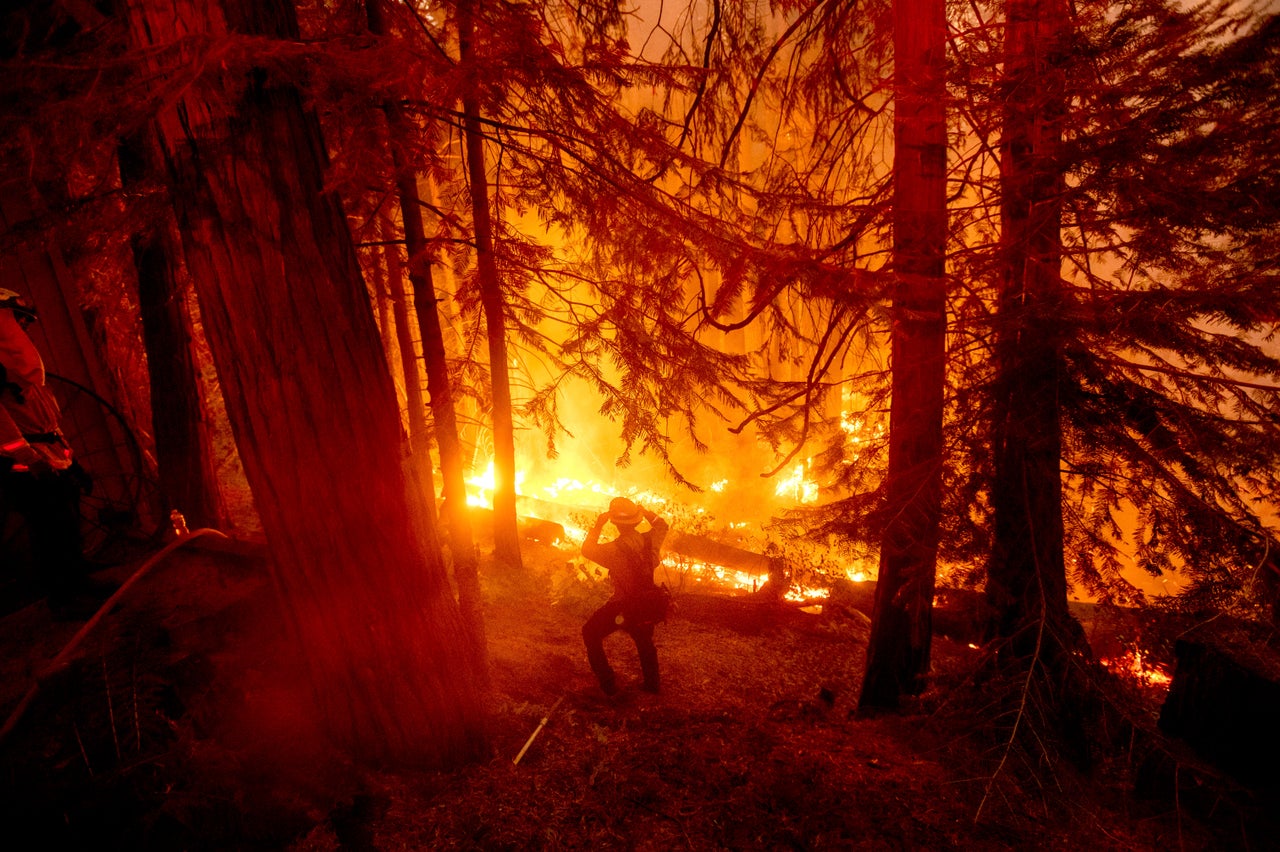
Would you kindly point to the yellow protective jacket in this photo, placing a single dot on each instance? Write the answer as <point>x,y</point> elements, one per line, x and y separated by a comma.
<point>28,412</point>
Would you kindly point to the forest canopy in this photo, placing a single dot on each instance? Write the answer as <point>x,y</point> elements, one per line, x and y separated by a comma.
<point>996,284</point>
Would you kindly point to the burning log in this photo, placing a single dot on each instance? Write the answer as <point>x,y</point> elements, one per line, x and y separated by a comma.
<point>703,549</point>
<point>536,529</point>
<point>748,614</point>
<point>539,513</point>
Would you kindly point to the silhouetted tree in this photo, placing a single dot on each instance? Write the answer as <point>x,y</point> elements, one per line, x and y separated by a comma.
<point>461,540</point>
<point>898,651</point>
<point>180,420</point>
<point>309,395</point>
<point>506,537</point>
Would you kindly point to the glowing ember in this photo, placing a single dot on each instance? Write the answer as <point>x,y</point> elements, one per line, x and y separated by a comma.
<point>1132,665</point>
<point>799,594</point>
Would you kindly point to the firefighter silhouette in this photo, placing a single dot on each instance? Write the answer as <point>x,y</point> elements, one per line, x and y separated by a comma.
<point>637,604</point>
<point>37,480</point>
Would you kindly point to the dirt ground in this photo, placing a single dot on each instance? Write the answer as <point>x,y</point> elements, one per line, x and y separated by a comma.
<point>179,726</point>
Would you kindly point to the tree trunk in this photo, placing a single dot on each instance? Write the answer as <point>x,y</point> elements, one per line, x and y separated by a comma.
<point>462,548</point>
<point>179,417</point>
<point>901,635</point>
<point>378,271</point>
<point>1027,586</point>
<point>506,538</point>
<point>418,462</point>
<point>312,405</point>
<point>419,439</point>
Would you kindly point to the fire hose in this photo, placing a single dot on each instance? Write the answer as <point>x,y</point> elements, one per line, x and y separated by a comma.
<point>64,656</point>
<point>536,731</point>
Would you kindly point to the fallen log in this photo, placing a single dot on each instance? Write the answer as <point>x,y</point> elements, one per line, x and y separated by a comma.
<point>702,549</point>
<point>747,614</point>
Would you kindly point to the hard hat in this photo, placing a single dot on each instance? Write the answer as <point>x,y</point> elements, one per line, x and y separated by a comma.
<point>21,307</point>
<point>624,513</point>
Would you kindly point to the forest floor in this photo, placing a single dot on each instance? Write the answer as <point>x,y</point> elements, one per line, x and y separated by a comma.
<point>178,726</point>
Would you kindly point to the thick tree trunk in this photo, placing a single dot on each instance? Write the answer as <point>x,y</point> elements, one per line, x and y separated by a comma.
<point>466,563</point>
<point>1026,585</point>
<point>179,416</point>
<point>506,536</point>
<point>312,405</point>
<point>901,635</point>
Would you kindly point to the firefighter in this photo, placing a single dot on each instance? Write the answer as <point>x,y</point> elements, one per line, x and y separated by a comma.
<point>36,476</point>
<point>637,604</point>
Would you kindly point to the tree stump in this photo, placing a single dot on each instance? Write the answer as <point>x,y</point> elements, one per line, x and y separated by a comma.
<point>1225,703</point>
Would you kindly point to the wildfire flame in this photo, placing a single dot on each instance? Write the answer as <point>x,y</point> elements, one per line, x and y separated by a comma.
<point>574,498</point>
<point>482,487</point>
<point>798,486</point>
<point>1132,665</point>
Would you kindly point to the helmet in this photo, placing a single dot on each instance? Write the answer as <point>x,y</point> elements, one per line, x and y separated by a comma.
<point>623,512</point>
<point>21,307</point>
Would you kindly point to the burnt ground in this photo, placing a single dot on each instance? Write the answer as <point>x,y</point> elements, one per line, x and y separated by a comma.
<point>179,726</point>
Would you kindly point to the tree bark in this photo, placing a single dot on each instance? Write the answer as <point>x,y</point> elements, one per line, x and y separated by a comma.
<point>898,650</point>
<point>381,302</point>
<point>179,416</point>
<point>506,537</point>
<point>1027,586</point>
<point>418,462</point>
<point>311,402</point>
<point>462,548</point>
<point>419,439</point>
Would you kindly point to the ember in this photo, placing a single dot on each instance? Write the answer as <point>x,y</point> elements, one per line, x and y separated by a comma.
<point>1131,665</point>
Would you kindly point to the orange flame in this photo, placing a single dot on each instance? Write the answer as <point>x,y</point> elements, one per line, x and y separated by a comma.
<point>574,496</point>
<point>1132,665</point>
<point>798,486</point>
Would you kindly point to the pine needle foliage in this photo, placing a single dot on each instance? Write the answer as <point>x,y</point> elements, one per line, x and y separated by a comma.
<point>1166,303</point>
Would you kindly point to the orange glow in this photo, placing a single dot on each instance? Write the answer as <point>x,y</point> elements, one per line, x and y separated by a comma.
<point>480,492</point>
<point>572,498</point>
<point>1131,665</point>
<point>798,487</point>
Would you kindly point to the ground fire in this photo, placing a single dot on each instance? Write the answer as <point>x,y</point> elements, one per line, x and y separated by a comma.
<point>663,424</point>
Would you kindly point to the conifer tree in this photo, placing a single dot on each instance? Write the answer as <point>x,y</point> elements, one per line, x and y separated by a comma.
<point>506,537</point>
<point>898,650</point>
<point>272,259</point>
<point>180,424</point>
<point>439,384</point>
<point>1148,331</point>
